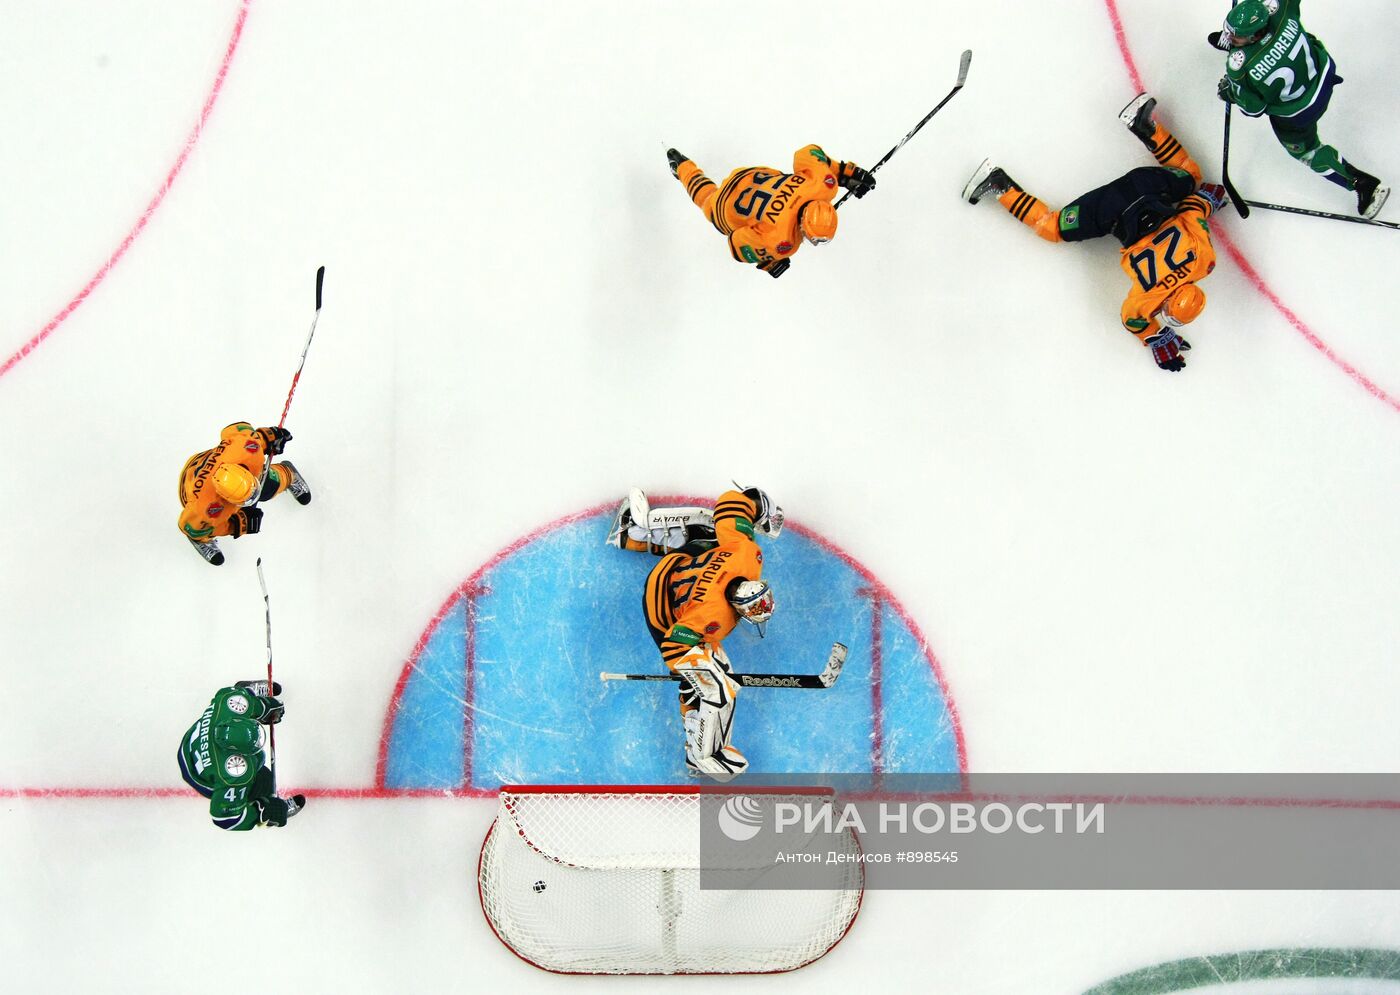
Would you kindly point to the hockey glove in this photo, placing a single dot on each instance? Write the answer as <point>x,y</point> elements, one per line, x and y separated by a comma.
<point>276,439</point>
<point>675,159</point>
<point>859,181</point>
<point>1167,347</point>
<point>276,811</point>
<point>259,688</point>
<point>1214,195</point>
<point>770,516</point>
<point>246,521</point>
<point>273,713</point>
<point>776,267</point>
<point>1226,90</point>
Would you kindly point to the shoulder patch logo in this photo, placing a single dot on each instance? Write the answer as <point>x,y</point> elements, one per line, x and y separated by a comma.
<point>759,555</point>
<point>1237,59</point>
<point>784,248</point>
<point>1069,218</point>
<point>237,704</point>
<point>712,628</point>
<point>235,765</point>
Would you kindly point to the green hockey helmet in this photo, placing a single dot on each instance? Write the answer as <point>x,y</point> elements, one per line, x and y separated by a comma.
<point>1248,20</point>
<point>238,736</point>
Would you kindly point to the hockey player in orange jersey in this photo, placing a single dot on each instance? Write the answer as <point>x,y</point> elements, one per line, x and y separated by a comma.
<point>220,488</point>
<point>709,577</point>
<point>766,213</point>
<point>1159,214</point>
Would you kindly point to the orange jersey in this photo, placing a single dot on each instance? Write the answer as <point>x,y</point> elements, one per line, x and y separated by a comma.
<point>685,595</point>
<point>1178,252</point>
<point>756,208</point>
<point>203,514</point>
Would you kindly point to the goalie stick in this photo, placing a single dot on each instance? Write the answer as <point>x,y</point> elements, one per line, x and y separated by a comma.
<point>962,78</point>
<point>320,278</point>
<point>820,682</point>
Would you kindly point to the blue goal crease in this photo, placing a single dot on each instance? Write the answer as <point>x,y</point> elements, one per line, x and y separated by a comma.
<point>559,610</point>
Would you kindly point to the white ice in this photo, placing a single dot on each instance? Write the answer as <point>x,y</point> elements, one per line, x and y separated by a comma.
<point>1119,568</point>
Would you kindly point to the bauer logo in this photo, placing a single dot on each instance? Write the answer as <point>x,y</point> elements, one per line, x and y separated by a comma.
<point>740,818</point>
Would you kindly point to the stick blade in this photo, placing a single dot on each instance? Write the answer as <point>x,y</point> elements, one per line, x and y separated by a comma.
<point>964,66</point>
<point>834,663</point>
<point>320,279</point>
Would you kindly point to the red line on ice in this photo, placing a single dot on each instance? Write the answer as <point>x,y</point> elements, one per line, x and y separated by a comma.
<point>877,683</point>
<point>1246,267</point>
<point>156,201</point>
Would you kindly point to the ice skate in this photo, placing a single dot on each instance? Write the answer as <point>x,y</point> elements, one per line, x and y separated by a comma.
<point>300,489</point>
<point>1138,116</point>
<point>987,179</point>
<point>1370,194</point>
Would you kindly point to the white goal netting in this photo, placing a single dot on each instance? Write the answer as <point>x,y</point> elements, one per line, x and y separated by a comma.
<point>606,880</point>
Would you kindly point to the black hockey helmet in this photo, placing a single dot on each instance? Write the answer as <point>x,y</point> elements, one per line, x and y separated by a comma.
<point>1142,217</point>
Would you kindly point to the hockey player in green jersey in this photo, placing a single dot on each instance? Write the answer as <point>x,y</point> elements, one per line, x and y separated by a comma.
<point>1276,68</point>
<point>222,758</point>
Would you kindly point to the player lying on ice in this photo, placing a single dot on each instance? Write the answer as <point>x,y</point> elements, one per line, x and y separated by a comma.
<point>709,577</point>
<point>222,758</point>
<point>766,213</point>
<point>1157,213</point>
<point>220,488</point>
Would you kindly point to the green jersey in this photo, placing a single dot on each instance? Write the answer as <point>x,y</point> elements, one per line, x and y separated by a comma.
<point>227,775</point>
<point>1282,73</point>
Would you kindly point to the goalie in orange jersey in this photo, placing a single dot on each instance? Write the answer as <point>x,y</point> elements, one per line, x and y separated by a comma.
<point>709,577</point>
<point>766,213</point>
<point>221,488</point>
<point>1158,213</point>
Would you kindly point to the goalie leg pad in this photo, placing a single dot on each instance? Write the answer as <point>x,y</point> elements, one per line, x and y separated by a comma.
<point>707,712</point>
<point>668,529</point>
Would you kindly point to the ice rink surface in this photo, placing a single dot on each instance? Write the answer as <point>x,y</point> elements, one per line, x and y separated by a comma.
<point>1113,568</point>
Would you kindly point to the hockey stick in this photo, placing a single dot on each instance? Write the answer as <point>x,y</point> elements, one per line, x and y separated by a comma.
<point>962,78</point>
<point>267,614</point>
<point>1323,214</point>
<point>821,681</point>
<point>320,278</point>
<point>1240,203</point>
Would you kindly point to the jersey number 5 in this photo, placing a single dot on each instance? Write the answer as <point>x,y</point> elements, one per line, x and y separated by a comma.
<point>1145,262</point>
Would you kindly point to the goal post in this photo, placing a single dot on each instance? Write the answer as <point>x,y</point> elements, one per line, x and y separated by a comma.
<point>606,879</point>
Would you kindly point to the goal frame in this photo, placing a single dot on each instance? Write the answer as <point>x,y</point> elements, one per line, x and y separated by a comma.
<point>649,789</point>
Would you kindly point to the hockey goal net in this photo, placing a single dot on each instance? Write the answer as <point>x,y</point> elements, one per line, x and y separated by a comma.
<point>606,880</point>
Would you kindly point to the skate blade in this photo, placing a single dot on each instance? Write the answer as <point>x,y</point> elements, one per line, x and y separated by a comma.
<point>1129,114</point>
<point>982,172</point>
<point>1377,203</point>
